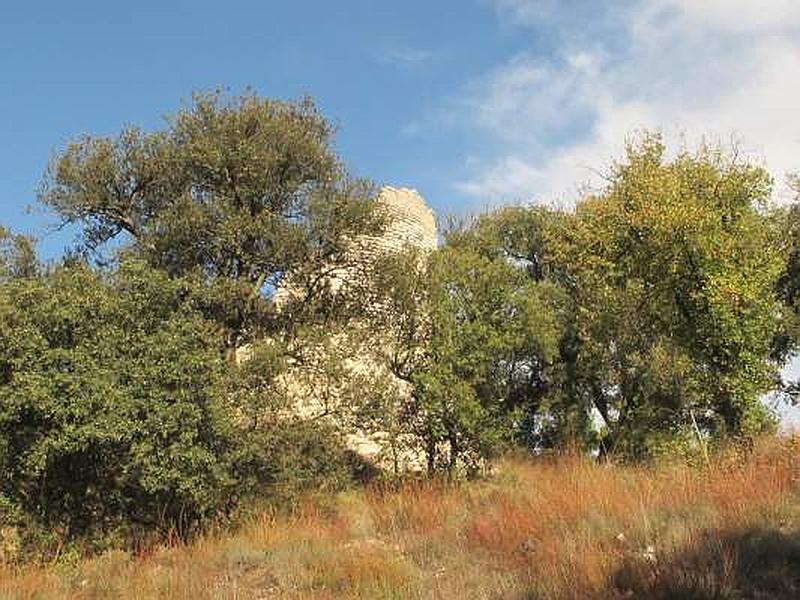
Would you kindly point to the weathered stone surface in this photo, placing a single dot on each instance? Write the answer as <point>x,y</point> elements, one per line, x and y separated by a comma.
<point>410,224</point>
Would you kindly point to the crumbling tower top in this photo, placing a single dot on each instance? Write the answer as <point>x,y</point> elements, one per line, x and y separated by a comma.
<point>410,221</point>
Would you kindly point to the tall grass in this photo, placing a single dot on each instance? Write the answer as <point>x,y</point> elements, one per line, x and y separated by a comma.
<point>563,527</point>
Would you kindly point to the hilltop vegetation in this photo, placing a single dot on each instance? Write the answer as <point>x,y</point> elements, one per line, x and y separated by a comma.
<point>561,528</point>
<point>644,324</point>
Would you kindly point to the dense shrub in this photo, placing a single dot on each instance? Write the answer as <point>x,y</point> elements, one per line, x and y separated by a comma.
<point>110,413</point>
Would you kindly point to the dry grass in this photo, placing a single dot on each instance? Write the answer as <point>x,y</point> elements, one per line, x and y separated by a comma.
<point>556,528</point>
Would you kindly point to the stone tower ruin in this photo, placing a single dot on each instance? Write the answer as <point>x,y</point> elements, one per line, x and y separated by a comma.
<point>410,224</point>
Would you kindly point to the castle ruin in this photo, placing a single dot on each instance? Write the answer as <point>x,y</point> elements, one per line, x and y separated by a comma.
<point>314,391</point>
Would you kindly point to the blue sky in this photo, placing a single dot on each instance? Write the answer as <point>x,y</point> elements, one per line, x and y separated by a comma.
<point>472,102</point>
<point>376,68</point>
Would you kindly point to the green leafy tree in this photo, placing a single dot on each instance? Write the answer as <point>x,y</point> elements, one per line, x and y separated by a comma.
<point>526,240</point>
<point>787,341</point>
<point>236,192</point>
<point>110,412</point>
<point>672,271</point>
<point>669,286</point>
<point>472,336</point>
<point>17,256</point>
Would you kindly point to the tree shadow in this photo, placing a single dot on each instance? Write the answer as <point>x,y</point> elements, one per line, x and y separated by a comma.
<point>361,469</point>
<point>755,563</point>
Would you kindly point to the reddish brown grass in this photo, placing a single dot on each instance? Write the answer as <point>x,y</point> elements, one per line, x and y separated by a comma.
<point>540,528</point>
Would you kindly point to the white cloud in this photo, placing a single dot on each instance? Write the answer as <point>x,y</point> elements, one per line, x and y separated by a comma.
<point>713,67</point>
<point>731,15</point>
<point>407,57</point>
<point>510,178</point>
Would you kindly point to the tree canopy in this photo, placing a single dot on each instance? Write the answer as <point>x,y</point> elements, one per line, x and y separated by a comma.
<point>670,273</point>
<point>234,191</point>
<point>109,402</point>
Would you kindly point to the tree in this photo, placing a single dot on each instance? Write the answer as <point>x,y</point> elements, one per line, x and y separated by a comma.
<point>119,416</point>
<point>110,413</point>
<point>472,336</point>
<point>234,192</point>
<point>17,256</point>
<point>526,240</point>
<point>669,299</point>
<point>787,341</point>
<point>672,270</point>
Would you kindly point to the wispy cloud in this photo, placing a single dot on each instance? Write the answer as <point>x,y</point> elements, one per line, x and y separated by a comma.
<point>710,67</point>
<point>408,57</point>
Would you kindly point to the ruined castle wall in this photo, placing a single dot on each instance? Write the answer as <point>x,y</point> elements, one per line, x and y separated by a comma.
<point>410,223</point>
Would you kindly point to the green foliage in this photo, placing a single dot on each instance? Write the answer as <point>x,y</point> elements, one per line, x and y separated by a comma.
<point>473,336</point>
<point>17,256</point>
<point>294,457</point>
<point>119,416</point>
<point>661,308</point>
<point>671,275</point>
<point>787,341</point>
<point>109,408</point>
<point>651,310</point>
<point>235,191</point>
<point>279,453</point>
<point>118,410</point>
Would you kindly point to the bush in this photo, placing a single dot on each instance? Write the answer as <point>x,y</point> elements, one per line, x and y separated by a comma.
<point>280,454</point>
<point>111,419</point>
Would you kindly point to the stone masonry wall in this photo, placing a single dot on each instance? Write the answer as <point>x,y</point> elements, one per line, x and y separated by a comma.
<point>410,224</point>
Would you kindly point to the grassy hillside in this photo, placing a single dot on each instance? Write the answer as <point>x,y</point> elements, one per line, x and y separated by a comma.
<point>546,528</point>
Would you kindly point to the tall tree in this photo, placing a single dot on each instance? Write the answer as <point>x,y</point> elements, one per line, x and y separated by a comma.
<point>235,192</point>
<point>673,270</point>
<point>472,337</point>
<point>669,276</point>
<point>787,342</point>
